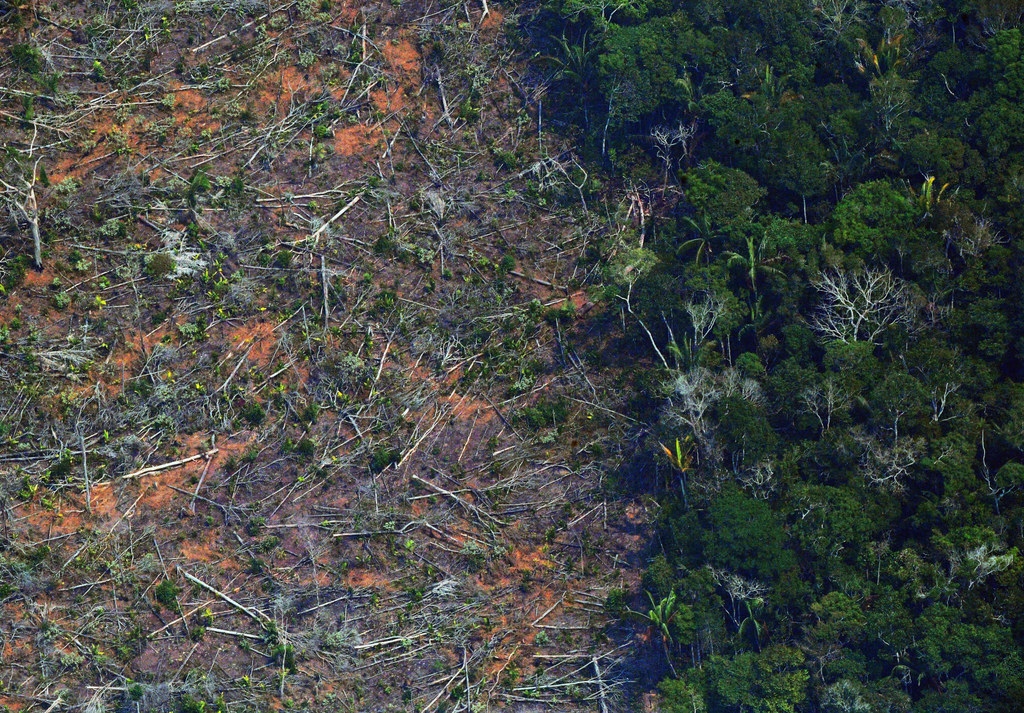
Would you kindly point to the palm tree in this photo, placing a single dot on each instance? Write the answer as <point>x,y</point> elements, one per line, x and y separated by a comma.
<point>886,57</point>
<point>575,65</point>
<point>754,263</point>
<point>705,232</point>
<point>660,617</point>
<point>929,197</point>
<point>772,91</point>
<point>689,91</point>
<point>750,622</point>
<point>681,459</point>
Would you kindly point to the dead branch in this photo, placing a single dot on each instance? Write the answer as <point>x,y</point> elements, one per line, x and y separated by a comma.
<point>173,464</point>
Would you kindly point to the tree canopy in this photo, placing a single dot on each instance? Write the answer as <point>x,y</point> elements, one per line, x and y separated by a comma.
<point>832,240</point>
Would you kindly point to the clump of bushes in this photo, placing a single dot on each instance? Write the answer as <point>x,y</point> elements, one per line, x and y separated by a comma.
<point>545,414</point>
<point>166,593</point>
<point>254,414</point>
<point>383,456</point>
<point>159,265</point>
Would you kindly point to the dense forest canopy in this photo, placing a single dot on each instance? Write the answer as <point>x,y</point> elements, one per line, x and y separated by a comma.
<point>825,285</point>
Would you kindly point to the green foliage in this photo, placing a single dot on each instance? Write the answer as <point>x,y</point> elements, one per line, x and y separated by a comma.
<point>745,536</point>
<point>659,578</point>
<point>727,196</point>
<point>831,282</point>
<point>306,447</point>
<point>167,593</point>
<point>681,697</point>
<point>159,265</point>
<point>189,704</point>
<point>254,413</point>
<point>641,67</point>
<point>615,603</point>
<point>384,456</point>
<point>545,414</point>
<point>770,682</point>
<point>284,655</point>
<point>193,331</point>
<point>26,58</point>
<point>198,184</point>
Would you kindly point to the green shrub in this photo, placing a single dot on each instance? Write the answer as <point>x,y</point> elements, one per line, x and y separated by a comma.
<point>383,456</point>
<point>189,704</point>
<point>167,593</point>
<point>284,655</point>
<point>615,603</point>
<point>61,300</point>
<point>544,414</point>
<point>26,58</point>
<point>306,447</point>
<point>254,414</point>
<point>159,264</point>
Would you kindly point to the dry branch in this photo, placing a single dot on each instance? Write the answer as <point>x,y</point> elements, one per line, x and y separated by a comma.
<point>259,617</point>
<point>449,494</point>
<point>173,464</point>
<point>327,223</point>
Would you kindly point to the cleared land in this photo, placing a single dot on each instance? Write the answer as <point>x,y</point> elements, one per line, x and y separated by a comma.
<point>300,410</point>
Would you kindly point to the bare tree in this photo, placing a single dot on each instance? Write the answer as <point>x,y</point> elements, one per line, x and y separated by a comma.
<point>823,400</point>
<point>650,336</point>
<point>939,399</point>
<point>972,237</point>
<point>734,383</point>
<point>891,96</point>
<point>20,198</point>
<point>888,465</point>
<point>834,17</point>
<point>845,697</point>
<point>975,564</point>
<point>598,8</point>
<point>759,479</point>
<point>740,589</point>
<point>704,314</point>
<point>630,265</point>
<point>862,306</point>
<point>693,394</point>
<point>551,171</point>
<point>1008,479</point>
<point>667,140</point>
<point>996,15</point>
